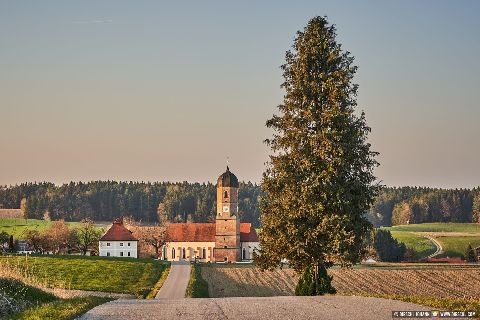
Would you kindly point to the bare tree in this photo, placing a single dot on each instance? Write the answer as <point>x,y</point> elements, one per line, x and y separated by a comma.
<point>59,236</point>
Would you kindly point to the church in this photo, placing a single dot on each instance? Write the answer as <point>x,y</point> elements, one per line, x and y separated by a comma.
<point>226,240</point>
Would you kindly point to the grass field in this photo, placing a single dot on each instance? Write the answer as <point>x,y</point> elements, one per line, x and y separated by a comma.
<point>422,246</point>
<point>439,282</point>
<point>455,245</point>
<point>454,237</point>
<point>438,227</point>
<point>17,227</point>
<point>122,275</point>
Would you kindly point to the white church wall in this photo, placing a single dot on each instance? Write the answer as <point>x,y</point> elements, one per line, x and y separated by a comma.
<point>177,251</point>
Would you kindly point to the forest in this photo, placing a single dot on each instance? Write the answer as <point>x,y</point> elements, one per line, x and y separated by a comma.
<point>106,200</point>
<point>195,202</point>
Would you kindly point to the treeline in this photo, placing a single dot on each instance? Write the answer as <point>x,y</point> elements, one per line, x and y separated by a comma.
<point>395,206</point>
<point>195,202</point>
<point>106,200</point>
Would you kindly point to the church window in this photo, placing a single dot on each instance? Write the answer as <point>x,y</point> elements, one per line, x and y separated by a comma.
<point>225,195</point>
<point>183,253</point>
<point>173,253</point>
<point>204,253</point>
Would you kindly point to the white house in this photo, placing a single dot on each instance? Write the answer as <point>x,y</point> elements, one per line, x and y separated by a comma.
<point>118,242</point>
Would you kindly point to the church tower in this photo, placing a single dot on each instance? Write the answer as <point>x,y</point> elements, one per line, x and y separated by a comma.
<point>227,235</point>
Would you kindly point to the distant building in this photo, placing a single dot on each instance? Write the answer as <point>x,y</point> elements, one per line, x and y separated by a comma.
<point>118,241</point>
<point>226,240</point>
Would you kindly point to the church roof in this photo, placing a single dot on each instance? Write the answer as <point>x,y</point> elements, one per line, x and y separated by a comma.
<point>205,232</point>
<point>118,232</point>
<point>227,179</point>
<point>248,233</point>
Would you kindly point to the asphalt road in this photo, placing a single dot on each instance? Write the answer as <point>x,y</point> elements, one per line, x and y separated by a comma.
<point>268,308</point>
<point>177,281</point>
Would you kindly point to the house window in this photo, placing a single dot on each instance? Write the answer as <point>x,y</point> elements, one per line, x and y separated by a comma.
<point>121,244</point>
<point>108,244</point>
<point>225,259</point>
<point>173,253</point>
<point>129,244</point>
<point>225,195</point>
<point>128,253</point>
<point>204,253</point>
<point>183,253</point>
<point>121,254</point>
<point>244,254</point>
<point>225,247</point>
<point>108,254</point>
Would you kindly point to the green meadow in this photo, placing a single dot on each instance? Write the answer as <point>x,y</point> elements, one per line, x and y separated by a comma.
<point>121,275</point>
<point>453,244</point>
<point>17,227</point>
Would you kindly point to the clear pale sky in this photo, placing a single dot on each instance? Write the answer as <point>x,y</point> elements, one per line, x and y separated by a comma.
<point>144,90</point>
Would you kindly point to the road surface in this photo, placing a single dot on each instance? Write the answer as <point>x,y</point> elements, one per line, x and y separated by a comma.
<point>437,245</point>
<point>177,281</point>
<point>244,308</point>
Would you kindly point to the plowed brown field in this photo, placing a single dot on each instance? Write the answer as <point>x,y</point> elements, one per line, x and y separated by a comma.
<point>250,281</point>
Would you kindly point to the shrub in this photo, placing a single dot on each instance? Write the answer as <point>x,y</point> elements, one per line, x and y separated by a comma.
<point>307,286</point>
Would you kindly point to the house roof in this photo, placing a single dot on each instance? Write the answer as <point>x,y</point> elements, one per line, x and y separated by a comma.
<point>118,232</point>
<point>248,233</point>
<point>205,232</point>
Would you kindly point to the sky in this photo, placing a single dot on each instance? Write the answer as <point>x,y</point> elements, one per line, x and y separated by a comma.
<point>168,91</point>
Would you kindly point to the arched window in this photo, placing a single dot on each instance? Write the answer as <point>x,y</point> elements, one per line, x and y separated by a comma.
<point>173,253</point>
<point>183,253</point>
<point>225,195</point>
<point>165,253</point>
<point>244,254</point>
<point>204,253</point>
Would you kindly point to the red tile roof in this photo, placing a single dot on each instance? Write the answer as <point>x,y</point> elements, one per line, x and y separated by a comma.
<point>205,232</point>
<point>191,232</point>
<point>248,233</point>
<point>118,232</point>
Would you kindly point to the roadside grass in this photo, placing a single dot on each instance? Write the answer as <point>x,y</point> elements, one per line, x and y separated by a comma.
<point>121,275</point>
<point>159,284</point>
<point>446,304</point>
<point>16,296</point>
<point>61,309</point>
<point>421,245</point>
<point>17,227</point>
<point>438,227</point>
<point>457,245</point>
<point>197,286</point>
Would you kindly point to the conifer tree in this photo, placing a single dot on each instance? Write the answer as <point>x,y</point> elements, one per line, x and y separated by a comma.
<point>319,182</point>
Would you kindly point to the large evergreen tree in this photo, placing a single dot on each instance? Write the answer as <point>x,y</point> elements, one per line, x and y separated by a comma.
<point>319,182</point>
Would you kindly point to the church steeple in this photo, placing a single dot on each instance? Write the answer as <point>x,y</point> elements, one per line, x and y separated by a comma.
<point>227,237</point>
